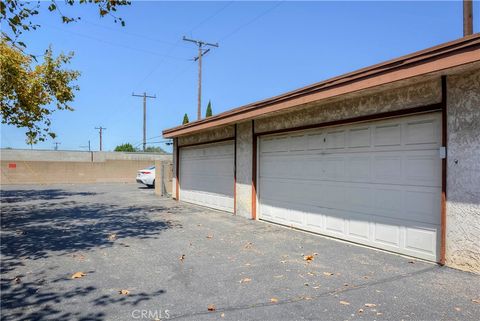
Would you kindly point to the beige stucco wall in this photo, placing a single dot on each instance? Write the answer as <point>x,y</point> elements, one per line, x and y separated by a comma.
<point>463,171</point>
<point>244,169</point>
<point>207,136</point>
<point>397,98</point>
<point>163,178</point>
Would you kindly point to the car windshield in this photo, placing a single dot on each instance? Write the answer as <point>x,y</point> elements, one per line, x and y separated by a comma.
<point>151,167</point>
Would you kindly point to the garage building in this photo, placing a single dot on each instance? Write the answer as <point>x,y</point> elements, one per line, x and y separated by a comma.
<point>387,156</point>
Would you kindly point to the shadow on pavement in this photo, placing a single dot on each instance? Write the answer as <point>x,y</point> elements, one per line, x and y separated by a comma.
<point>34,231</point>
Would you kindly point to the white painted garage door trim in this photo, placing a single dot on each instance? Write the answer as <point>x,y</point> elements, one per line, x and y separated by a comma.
<point>206,175</point>
<point>375,183</point>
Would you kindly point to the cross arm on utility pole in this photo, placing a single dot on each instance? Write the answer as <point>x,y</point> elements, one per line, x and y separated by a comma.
<point>200,42</point>
<point>201,53</point>
<point>100,132</point>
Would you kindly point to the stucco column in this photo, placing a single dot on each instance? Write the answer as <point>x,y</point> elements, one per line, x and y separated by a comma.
<point>463,171</point>
<point>244,169</point>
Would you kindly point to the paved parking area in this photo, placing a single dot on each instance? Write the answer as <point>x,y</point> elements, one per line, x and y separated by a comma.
<point>176,260</point>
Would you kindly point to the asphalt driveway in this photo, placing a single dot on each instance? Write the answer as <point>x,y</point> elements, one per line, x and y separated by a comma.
<point>177,260</point>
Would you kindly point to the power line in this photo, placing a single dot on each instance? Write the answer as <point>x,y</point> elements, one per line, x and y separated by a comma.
<point>177,44</point>
<point>251,21</point>
<point>145,96</point>
<point>165,56</point>
<point>201,52</point>
<point>100,132</point>
<point>133,34</point>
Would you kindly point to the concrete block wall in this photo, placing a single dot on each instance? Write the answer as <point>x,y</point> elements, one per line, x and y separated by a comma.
<point>60,167</point>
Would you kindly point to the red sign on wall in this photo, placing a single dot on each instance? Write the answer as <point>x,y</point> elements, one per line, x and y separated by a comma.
<point>12,165</point>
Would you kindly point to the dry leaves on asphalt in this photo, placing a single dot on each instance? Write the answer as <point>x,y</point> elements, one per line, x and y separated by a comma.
<point>124,292</point>
<point>182,257</point>
<point>308,258</point>
<point>360,311</point>
<point>211,307</point>
<point>274,300</point>
<point>209,236</point>
<point>249,245</point>
<point>370,305</point>
<point>112,237</point>
<point>78,275</point>
<point>328,273</point>
<point>477,301</point>
<point>245,280</point>
<point>344,302</point>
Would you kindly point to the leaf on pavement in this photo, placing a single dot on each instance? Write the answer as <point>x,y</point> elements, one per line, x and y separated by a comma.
<point>344,302</point>
<point>245,280</point>
<point>249,245</point>
<point>79,257</point>
<point>476,301</point>
<point>360,310</point>
<point>274,300</point>
<point>209,236</point>
<point>124,292</point>
<point>211,307</point>
<point>182,257</point>
<point>112,237</point>
<point>308,258</point>
<point>328,273</point>
<point>78,275</point>
<point>370,305</point>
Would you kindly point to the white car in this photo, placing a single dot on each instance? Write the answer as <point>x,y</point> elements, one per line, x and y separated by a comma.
<point>146,176</point>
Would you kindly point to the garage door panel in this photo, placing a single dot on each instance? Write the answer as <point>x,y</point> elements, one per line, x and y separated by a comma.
<point>374,183</point>
<point>422,132</point>
<point>359,228</point>
<point>359,137</point>
<point>385,233</point>
<point>206,175</point>
<point>387,135</point>
<point>421,239</point>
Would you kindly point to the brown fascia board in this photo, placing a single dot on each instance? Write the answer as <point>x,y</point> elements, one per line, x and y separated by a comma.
<point>448,55</point>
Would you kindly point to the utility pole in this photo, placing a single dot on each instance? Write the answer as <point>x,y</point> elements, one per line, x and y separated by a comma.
<point>467,17</point>
<point>56,145</point>
<point>145,96</point>
<point>201,52</point>
<point>87,146</point>
<point>100,132</point>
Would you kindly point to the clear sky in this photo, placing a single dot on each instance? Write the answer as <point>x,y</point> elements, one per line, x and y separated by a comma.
<point>266,48</point>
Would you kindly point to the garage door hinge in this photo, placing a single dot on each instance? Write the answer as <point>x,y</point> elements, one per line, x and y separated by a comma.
<point>443,152</point>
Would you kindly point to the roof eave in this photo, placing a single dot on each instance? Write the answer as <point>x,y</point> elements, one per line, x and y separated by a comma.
<point>452,54</point>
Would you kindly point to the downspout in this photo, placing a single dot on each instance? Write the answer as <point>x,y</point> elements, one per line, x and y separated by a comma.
<point>443,218</point>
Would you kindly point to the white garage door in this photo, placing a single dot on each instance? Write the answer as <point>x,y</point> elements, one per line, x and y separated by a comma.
<point>206,175</point>
<point>376,183</point>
